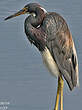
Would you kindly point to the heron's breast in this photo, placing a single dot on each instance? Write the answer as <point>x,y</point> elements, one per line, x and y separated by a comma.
<point>49,62</point>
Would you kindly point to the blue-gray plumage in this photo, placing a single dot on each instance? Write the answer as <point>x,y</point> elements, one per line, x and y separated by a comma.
<point>49,32</point>
<point>54,34</point>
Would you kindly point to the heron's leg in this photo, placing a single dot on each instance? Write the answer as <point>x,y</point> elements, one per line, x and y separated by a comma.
<point>61,92</point>
<point>58,95</point>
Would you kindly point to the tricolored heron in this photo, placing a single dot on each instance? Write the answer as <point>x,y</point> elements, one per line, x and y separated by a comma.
<point>49,32</point>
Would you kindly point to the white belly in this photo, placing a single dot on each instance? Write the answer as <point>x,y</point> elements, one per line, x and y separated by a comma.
<point>49,62</point>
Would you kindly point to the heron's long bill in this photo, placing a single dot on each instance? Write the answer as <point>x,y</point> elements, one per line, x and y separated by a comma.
<point>23,11</point>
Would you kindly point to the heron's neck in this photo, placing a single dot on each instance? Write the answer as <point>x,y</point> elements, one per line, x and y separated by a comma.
<point>32,22</point>
<point>37,19</point>
<point>35,35</point>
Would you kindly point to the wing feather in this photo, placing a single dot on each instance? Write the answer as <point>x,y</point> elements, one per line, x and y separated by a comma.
<point>61,47</point>
<point>66,58</point>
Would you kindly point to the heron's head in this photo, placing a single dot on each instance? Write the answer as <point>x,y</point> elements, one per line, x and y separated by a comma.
<point>29,9</point>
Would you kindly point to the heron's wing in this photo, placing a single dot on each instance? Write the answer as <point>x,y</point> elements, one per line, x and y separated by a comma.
<point>63,51</point>
<point>61,46</point>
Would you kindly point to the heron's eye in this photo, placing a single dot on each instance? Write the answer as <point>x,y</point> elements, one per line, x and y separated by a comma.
<point>33,14</point>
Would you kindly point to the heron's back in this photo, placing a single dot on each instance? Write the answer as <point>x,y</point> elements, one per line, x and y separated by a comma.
<point>61,46</point>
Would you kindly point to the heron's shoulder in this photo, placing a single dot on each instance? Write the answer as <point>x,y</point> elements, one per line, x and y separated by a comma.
<point>55,16</point>
<point>53,23</point>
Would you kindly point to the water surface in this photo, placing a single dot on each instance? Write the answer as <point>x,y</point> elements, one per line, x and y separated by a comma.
<point>24,81</point>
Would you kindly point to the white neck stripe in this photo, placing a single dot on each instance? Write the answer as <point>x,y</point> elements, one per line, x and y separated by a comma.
<point>43,9</point>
